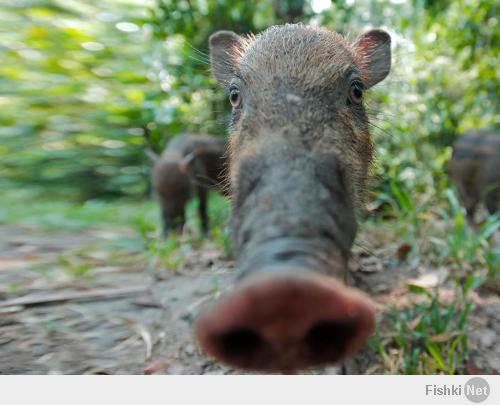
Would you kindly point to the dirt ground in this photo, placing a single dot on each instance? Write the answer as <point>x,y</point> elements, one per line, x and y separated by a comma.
<point>71,304</point>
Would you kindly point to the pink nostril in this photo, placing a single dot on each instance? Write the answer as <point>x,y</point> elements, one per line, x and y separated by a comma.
<point>286,322</point>
<point>240,342</point>
<point>327,340</point>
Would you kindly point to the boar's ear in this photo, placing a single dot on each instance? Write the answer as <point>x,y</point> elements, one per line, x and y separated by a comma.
<point>373,52</point>
<point>225,48</point>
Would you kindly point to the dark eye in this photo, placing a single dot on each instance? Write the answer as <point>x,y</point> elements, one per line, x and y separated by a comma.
<point>234,97</point>
<point>356,92</point>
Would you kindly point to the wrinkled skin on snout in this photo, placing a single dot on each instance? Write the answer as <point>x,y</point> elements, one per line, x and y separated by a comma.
<point>300,151</point>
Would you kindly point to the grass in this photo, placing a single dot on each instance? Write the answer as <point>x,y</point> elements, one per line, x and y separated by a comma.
<point>172,252</point>
<point>429,337</point>
<point>140,220</point>
<point>437,233</point>
<point>468,249</point>
<point>30,208</point>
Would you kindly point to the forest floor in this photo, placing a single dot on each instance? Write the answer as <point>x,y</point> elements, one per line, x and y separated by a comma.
<point>82,302</point>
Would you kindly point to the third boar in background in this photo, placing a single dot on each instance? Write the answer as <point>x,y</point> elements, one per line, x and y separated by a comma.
<point>190,165</point>
<point>300,151</point>
<point>475,169</point>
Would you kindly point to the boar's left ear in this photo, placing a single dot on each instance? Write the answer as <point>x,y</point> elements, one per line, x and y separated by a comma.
<point>373,53</point>
<point>225,48</point>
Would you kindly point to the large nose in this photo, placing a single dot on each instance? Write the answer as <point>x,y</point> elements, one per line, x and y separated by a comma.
<point>286,320</point>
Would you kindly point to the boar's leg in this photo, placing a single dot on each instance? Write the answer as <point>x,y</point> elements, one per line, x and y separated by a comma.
<point>492,200</point>
<point>171,221</point>
<point>202,208</point>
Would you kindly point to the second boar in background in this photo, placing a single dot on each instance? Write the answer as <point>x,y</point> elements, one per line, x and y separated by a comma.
<point>190,165</point>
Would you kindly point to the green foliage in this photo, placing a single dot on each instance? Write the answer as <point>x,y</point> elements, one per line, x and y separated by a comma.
<point>73,84</point>
<point>166,253</point>
<point>172,252</point>
<point>466,248</point>
<point>219,213</point>
<point>429,337</point>
<point>83,84</point>
<point>27,207</point>
<point>444,81</point>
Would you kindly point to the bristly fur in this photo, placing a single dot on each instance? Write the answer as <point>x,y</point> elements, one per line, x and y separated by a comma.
<point>312,60</point>
<point>296,109</point>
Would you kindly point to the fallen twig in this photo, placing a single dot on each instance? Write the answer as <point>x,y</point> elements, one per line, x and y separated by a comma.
<point>100,294</point>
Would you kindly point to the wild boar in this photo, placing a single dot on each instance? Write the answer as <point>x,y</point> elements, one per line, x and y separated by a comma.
<point>299,151</point>
<point>189,165</point>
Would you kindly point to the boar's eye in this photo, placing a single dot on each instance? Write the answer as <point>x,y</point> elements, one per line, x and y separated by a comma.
<point>355,92</point>
<point>235,97</point>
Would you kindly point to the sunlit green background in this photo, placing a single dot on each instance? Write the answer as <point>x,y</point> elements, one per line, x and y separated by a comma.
<point>81,82</point>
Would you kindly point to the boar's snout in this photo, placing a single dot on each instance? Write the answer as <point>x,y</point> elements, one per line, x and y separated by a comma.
<point>292,230</point>
<point>286,320</point>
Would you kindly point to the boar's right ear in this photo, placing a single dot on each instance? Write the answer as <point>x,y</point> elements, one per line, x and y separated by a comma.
<point>225,48</point>
<point>373,52</point>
